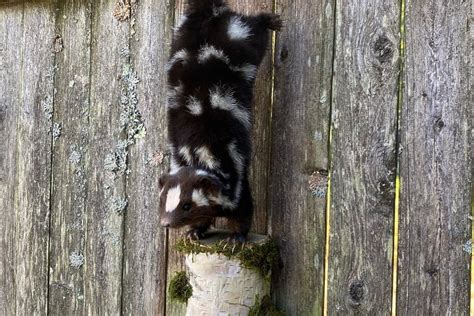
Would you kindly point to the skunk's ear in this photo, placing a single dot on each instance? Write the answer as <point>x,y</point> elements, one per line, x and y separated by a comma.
<point>210,184</point>
<point>163,179</point>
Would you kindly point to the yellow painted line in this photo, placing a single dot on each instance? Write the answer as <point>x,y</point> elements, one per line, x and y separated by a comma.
<point>472,255</point>
<point>396,220</point>
<point>395,246</point>
<point>327,239</point>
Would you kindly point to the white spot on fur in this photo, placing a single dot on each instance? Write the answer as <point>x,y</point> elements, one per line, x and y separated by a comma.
<point>181,56</point>
<point>172,199</point>
<point>208,51</point>
<point>185,152</point>
<point>248,71</point>
<point>206,158</point>
<point>238,29</point>
<point>199,198</point>
<point>174,166</point>
<point>225,101</point>
<point>194,105</point>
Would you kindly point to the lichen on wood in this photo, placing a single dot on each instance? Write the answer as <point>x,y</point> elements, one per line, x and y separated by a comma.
<point>179,288</point>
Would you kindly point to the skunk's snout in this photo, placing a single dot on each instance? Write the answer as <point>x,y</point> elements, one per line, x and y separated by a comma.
<point>165,223</point>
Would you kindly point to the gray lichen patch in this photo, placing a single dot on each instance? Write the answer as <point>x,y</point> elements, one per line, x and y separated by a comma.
<point>74,156</point>
<point>119,205</point>
<point>113,237</point>
<point>58,45</point>
<point>51,72</point>
<point>467,247</point>
<point>47,105</point>
<point>130,117</point>
<point>317,184</point>
<point>56,131</point>
<point>117,161</point>
<point>76,260</point>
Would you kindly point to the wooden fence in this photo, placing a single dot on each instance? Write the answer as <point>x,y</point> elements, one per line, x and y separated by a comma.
<point>374,94</point>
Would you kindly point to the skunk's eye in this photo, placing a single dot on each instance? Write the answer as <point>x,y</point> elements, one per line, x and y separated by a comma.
<point>186,207</point>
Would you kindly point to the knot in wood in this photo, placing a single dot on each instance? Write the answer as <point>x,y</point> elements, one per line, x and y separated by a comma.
<point>383,49</point>
<point>284,53</point>
<point>357,291</point>
<point>438,124</point>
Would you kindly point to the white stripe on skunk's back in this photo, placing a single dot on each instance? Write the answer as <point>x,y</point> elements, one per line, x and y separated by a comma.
<point>225,101</point>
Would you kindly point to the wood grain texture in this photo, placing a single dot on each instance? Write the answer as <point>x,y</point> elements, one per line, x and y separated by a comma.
<point>11,32</point>
<point>105,162</point>
<point>363,146</point>
<point>175,260</point>
<point>33,160</point>
<point>435,160</point>
<point>144,276</point>
<point>70,148</point>
<point>299,149</point>
<point>261,133</point>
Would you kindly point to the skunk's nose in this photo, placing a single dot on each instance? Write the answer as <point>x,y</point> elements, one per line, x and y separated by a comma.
<point>165,223</point>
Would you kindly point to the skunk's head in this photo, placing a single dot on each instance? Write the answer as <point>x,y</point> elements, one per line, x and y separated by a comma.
<point>189,196</point>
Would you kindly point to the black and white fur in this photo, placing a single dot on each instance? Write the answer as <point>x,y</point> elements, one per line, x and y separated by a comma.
<point>211,72</point>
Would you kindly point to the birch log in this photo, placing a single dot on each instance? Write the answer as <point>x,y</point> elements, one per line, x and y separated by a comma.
<point>221,285</point>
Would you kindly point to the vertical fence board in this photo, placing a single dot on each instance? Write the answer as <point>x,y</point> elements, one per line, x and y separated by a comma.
<point>11,31</point>
<point>70,147</point>
<point>175,260</point>
<point>364,112</point>
<point>106,162</point>
<point>33,159</point>
<point>435,160</point>
<point>261,134</point>
<point>298,174</point>
<point>144,275</point>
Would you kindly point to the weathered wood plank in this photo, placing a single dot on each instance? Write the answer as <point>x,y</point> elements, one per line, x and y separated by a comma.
<point>261,134</point>
<point>32,159</point>
<point>175,260</point>
<point>106,161</point>
<point>11,32</point>
<point>435,160</point>
<point>363,147</point>
<point>299,150</point>
<point>70,147</point>
<point>144,276</point>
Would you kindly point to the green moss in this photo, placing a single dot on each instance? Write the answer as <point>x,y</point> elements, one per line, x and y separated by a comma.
<point>264,307</point>
<point>179,288</point>
<point>258,257</point>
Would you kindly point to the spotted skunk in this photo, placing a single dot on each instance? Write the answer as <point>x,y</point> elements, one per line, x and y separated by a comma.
<point>211,72</point>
